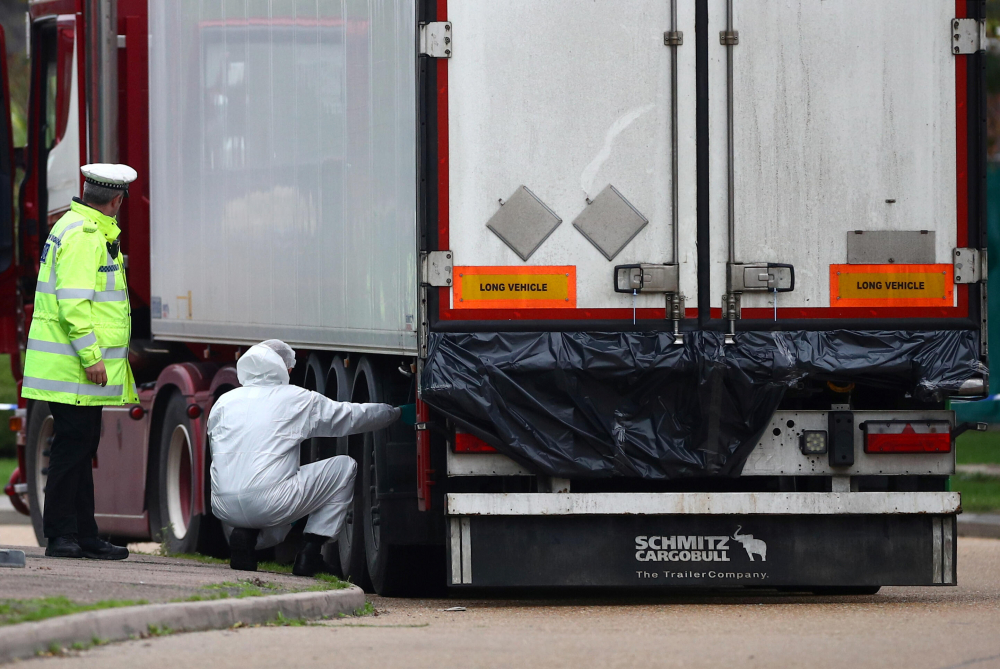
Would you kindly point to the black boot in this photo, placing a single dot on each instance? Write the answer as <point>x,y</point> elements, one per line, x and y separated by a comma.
<point>309,561</point>
<point>64,547</point>
<point>96,548</point>
<point>243,549</point>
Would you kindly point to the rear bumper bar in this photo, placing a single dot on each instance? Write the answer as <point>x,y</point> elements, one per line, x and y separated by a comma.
<point>702,539</point>
<point>702,503</point>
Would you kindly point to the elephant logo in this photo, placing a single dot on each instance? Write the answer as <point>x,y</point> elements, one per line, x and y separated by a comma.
<point>750,545</point>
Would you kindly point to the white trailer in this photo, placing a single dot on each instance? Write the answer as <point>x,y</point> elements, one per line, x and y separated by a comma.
<point>672,282</point>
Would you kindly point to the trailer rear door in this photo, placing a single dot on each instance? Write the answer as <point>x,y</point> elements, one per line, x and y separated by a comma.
<point>850,157</point>
<point>855,154</point>
<point>559,148</point>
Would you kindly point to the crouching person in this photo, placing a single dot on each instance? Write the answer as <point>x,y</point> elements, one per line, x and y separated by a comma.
<point>258,486</point>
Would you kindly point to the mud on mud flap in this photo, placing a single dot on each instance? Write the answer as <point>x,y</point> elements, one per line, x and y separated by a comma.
<point>599,405</point>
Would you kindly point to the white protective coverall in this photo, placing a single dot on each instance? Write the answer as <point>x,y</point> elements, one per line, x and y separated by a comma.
<point>255,432</point>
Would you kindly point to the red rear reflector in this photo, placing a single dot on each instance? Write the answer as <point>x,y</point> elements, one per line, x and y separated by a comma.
<point>466,443</point>
<point>907,437</point>
<point>16,423</point>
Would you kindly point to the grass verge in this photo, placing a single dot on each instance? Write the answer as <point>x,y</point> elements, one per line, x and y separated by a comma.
<point>256,587</point>
<point>980,494</point>
<point>974,448</point>
<point>14,611</point>
<point>272,567</point>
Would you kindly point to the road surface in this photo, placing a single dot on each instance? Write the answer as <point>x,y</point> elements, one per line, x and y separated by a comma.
<point>911,627</point>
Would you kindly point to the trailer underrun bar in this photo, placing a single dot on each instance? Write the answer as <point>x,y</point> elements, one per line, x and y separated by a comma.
<point>708,503</point>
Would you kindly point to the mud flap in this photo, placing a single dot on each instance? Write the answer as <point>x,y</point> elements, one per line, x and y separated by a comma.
<point>702,551</point>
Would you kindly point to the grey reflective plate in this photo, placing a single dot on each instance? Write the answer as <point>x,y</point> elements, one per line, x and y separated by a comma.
<point>523,222</point>
<point>610,222</point>
<point>877,247</point>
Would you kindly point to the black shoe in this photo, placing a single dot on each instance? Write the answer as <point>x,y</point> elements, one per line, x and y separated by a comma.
<point>309,561</point>
<point>64,547</point>
<point>242,549</point>
<point>96,548</point>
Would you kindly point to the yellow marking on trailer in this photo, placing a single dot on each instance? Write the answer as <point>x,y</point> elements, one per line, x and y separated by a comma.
<point>515,287</point>
<point>891,285</point>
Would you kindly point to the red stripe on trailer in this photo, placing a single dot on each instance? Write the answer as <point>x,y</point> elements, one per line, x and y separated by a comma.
<point>548,314</point>
<point>444,177</point>
<point>767,313</point>
<point>962,154</point>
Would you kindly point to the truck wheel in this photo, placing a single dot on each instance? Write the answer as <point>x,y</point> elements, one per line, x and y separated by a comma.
<point>351,542</point>
<point>387,564</point>
<point>212,539</point>
<point>314,379</point>
<point>173,496</point>
<point>381,566</point>
<point>339,381</point>
<point>338,388</point>
<point>41,429</point>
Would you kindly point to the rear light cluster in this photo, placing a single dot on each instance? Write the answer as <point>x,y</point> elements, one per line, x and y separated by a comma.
<point>467,443</point>
<point>897,436</point>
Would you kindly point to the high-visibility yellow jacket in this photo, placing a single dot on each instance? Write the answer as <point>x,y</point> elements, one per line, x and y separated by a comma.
<point>81,314</point>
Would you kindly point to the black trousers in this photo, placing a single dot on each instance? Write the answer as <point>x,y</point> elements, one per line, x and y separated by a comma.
<point>69,492</point>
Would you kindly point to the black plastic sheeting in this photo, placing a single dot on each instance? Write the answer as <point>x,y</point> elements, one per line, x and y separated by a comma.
<point>597,405</point>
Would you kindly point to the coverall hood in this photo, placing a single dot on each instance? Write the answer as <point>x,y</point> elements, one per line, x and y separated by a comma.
<point>260,366</point>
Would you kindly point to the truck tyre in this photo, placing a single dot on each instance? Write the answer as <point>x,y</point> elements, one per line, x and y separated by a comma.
<point>387,564</point>
<point>338,389</point>
<point>388,574</point>
<point>41,429</point>
<point>313,379</point>
<point>172,520</point>
<point>211,536</point>
<point>351,542</point>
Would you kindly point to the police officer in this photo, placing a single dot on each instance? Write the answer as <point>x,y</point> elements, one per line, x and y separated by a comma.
<point>77,357</point>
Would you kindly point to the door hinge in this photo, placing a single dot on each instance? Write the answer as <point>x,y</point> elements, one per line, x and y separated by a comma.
<point>673,38</point>
<point>967,36</point>
<point>729,37</point>
<point>436,39</point>
<point>647,278</point>
<point>767,277</point>
<point>970,265</point>
<point>436,268</point>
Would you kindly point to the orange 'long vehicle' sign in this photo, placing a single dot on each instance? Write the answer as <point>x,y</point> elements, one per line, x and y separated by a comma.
<point>515,287</point>
<point>891,285</point>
